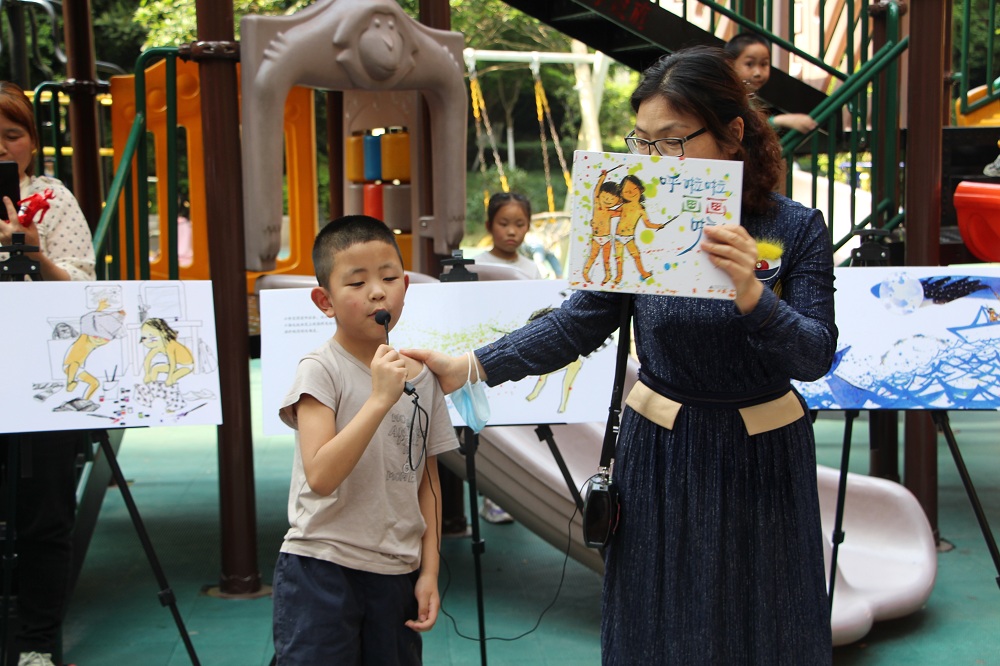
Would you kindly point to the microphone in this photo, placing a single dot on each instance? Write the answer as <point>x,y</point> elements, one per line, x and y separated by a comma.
<point>382,317</point>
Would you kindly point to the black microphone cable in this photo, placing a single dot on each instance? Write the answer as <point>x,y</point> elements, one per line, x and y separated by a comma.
<point>421,419</point>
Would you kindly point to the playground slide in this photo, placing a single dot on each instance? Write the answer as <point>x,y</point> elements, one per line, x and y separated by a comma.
<point>886,565</point>
<point>988,114</point>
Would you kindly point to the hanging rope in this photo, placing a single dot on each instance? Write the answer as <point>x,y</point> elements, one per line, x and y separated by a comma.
<point>483,121</point>
<point>545,113</point>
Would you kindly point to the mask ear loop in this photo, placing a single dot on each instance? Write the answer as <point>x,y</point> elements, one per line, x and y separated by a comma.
<point>471,364</point>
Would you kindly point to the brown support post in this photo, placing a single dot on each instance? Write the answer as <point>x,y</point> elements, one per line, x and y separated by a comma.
<point>81,85</point>
<point>926,100</point>
<point>220,119</point>
<point>883,425</point>
<point>335,153</point>
<point>434,14</point>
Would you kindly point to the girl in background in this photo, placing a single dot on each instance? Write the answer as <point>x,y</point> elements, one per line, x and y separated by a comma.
<point>508,218</point>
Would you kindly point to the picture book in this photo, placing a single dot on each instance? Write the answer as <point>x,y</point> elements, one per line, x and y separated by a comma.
<point>638,221</point>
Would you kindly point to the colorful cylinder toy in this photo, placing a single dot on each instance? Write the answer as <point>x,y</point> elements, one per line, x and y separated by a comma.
<point>354,199</point>
<point>354,158</point>
<point>396,155</point>
<point>373,157</point>
<point>374,206</point>
<point>396,205</point>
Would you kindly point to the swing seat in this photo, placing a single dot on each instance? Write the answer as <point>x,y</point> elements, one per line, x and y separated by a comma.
<point>887,563</point>
<point>978,207</point>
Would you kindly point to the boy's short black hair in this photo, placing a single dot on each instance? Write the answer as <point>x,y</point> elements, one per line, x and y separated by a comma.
<point>344,232</point>
<point>735,46</point>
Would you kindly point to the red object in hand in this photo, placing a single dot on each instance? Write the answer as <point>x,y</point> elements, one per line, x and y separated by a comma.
<point>31,206</point>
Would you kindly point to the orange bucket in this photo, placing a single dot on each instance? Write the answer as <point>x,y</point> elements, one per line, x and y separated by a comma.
<point>978,209</point>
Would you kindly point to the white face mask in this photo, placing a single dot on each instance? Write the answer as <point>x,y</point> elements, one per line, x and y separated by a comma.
<point>471,402</point>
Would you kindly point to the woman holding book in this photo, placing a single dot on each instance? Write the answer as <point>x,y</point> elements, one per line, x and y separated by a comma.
<point>718,554</point>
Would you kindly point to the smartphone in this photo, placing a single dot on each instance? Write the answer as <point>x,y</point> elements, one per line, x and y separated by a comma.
<point>10,185</point>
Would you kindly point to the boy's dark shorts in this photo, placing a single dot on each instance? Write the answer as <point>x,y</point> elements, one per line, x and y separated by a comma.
<point>328,614</point>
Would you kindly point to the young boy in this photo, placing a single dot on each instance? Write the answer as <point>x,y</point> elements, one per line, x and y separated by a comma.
<point>751,55</point>
<point>356,578</point>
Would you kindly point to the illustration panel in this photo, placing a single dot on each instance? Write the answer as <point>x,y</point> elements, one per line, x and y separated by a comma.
<point>914,338</point>
<point>453,318</point>
<point>637,223</point>
<point>110,355</point>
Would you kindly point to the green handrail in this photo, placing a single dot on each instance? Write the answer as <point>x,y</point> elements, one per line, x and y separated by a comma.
<point>136,151</point>
<point>992,80</point>
<point>55,136</point>
<point>852,86</point>
<point>124,171</point>
<point>747,24</point>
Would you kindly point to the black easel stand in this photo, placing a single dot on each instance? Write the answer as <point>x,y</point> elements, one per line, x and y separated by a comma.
<point>16,268</point>
<point>544,432</point>
<point>166,595</point>
<point>872,252</point>
<point>838,521</point>
<point>943,424</point>
<point>468,445</point>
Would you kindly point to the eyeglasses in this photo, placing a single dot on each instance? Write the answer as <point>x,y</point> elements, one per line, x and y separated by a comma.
<point>668,147</point>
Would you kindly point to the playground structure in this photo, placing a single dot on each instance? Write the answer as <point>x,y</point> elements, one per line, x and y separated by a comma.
<point>921,245</point>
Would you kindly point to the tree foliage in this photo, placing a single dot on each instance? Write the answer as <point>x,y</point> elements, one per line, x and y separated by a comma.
<point>172,22</point>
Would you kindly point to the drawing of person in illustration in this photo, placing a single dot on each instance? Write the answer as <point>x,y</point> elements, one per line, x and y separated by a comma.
<point>632,212</point>
<point>166,356</point>
<point>572,369</point>
<point>607,198</point>
<point>97,329</point>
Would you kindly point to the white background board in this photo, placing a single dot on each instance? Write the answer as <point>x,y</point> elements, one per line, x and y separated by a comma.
<point>449,317</point>
<point>915,337</point>
<point>44,320</point>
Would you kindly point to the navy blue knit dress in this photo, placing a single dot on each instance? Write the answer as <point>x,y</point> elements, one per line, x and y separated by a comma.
<point>718,558</point>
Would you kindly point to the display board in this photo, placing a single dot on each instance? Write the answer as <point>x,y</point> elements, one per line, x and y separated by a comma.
<point>914,338</point>
<point>82,355</point>
<point>453,318</point>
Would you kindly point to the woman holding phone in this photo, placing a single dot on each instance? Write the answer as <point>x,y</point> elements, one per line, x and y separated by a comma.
<point>58,229</point>
<point>46,498</point>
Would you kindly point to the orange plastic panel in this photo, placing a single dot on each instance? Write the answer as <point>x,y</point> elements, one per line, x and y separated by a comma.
<point>978,208</point>
<point>300,157</point>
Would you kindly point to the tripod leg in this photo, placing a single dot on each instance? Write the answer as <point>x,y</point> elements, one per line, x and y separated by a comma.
<point>470,443</point>
<point>838,521</point>
<point>166,595</point>
<point>545,432</point>
<point>944,425</point>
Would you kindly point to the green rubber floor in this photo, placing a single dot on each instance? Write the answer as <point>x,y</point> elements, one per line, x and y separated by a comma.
<point>115,616</point>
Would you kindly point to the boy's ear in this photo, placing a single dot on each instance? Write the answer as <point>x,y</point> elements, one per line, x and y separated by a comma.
<point>406,281</point>
<point>321,299</point>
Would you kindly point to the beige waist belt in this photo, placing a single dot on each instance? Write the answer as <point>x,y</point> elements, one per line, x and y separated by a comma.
<point>766,416</point>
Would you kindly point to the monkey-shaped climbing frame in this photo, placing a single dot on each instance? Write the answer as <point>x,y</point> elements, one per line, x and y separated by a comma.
<point>348,45</point>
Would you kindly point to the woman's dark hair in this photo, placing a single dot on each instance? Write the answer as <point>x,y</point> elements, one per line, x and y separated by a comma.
<point>501,199</point>
<point>16,106</point>
<point>700,81</point>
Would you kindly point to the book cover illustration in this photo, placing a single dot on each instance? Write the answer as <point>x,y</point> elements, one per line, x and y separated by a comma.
<point>637,223</point>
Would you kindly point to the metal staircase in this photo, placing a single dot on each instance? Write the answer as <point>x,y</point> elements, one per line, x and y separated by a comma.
<point>636,33</point>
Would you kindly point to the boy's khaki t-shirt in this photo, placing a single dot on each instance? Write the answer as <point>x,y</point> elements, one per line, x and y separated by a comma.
<point>372,522</point>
